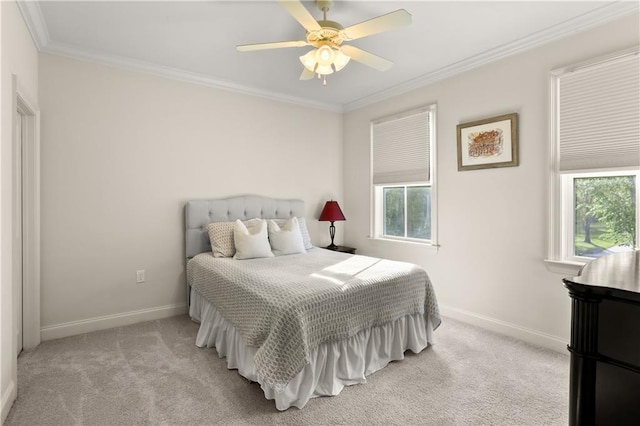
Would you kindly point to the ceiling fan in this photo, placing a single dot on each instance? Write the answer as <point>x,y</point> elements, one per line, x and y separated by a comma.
<point>326,37</point>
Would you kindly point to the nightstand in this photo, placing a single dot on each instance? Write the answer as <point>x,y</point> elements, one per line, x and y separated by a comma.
<point>342,249</point>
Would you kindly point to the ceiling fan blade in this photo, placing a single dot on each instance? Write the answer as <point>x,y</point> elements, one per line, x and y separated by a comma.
<point>390,21</point>
<point>366,58</point>
<point>307,74</point>
<point>275,45</point>
<point>301,14</point>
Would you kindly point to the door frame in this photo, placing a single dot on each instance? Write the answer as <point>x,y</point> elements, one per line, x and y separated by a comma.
<point>30,214</point>
<point>17,256</point>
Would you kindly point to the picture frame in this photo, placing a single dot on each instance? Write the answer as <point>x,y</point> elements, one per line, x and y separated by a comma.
<point>488,143</point>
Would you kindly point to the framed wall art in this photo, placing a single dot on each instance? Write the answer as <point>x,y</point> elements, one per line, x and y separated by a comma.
<point>488,143</point>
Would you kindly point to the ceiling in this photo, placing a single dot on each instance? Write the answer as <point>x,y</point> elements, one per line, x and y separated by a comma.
<point>195,41</point>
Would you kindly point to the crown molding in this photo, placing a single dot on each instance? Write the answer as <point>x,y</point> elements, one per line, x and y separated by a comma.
<point>129,64</point>
<point>584,22</point>
<point>37,27</point>
<point>34,20</point>
<point>32,15</point>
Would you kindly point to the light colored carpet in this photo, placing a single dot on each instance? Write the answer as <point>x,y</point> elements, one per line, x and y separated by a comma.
<point>152,373</point>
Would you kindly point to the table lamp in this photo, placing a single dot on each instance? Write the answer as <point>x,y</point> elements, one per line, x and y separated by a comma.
<point>330,213</point>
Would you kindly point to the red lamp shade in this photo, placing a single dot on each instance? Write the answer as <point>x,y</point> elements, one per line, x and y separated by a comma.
<point>331,212</point>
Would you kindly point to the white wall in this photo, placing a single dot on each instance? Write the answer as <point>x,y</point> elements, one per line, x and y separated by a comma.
<point>121,153</point>
<point>492,223</point>
<point>19,58</point>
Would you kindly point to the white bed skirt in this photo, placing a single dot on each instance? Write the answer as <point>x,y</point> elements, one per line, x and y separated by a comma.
<point>332,365</point>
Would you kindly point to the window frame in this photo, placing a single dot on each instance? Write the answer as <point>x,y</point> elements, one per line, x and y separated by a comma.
<point>559,259</point>
<point>377,202</point>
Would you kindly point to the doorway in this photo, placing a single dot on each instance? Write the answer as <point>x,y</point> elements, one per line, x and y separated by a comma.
<point>25,232</point>
<point>17,222</point>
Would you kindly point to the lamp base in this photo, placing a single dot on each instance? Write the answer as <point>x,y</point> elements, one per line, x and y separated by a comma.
<point>332,233</point>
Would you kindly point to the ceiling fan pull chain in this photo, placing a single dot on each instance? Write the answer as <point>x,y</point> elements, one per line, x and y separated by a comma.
<point>324,82</point>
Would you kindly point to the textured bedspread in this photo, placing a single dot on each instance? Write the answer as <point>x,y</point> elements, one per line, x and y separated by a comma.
<point>286,306</point>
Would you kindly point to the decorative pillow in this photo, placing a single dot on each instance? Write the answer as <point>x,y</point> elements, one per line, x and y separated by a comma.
<point>285,240</point>
<point>251,241</point>
<point>253,224</point>
<point>306,239</point>
<point>221,237</point>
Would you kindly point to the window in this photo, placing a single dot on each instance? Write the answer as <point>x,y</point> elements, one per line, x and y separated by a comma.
<point>412,222</point>
<point>403,149</point>
<point>596,158</point>
<point>602,210</point>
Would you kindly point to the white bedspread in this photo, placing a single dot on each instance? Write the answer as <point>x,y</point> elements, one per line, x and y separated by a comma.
<point>332,365</point>
<point>286,306</point>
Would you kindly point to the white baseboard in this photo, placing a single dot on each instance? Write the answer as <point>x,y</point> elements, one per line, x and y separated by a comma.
<point>73,328</point>
<point>7,400</point>
<point>528,335</point>
<point>110,321</point>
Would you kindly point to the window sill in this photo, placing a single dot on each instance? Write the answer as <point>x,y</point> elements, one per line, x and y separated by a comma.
<point>431,248</point>
<point>564,267</point>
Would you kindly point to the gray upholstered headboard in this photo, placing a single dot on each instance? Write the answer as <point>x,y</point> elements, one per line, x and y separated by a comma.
<point>200,213</point>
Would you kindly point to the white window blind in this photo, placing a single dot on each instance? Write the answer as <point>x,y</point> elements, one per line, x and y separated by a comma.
<point>599,115</point>
<point>401,148</point>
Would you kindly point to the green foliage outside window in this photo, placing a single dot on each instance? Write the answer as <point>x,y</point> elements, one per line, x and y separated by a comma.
<point>394,211</point>
<point>418,214</point>
<point>605,214</point>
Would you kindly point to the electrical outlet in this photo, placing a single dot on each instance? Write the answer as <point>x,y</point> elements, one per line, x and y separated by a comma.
<point>140,276</point>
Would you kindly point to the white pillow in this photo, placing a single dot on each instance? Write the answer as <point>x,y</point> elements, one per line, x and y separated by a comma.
<point>306,239</point>
<point>286,240</point>
<point>251,243</point>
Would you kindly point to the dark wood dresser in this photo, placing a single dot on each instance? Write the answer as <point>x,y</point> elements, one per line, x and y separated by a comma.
<point>605,342</point>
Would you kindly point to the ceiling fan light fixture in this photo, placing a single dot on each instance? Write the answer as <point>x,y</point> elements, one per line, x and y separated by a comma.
<point>325,55</point>
<point>309,60</point>
<point>340,60</point>
<point>324,69</point>
<point>321,60</point>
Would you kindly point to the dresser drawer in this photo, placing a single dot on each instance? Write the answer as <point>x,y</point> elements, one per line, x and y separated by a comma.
<point>616,395</point>
<point>619,331</point>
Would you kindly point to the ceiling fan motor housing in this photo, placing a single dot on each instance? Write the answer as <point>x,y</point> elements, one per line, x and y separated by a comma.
<point>330,31</point>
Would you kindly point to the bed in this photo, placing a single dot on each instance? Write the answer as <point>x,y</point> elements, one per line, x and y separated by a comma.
<point>307,324</point>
